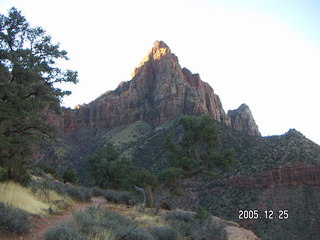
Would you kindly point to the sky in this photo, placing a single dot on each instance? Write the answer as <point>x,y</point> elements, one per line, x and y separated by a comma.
<point>263,53</point>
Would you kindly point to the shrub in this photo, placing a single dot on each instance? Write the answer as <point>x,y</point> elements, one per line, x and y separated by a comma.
<point>179,215</point>
<point>3,175</point>
<point>70,176</point>
<point>98,222</point>
<point>103,235</point>
<point>122,197</point>
<point>196,226</point>
<point>58,203</point>
<point>97,192</point>
<point>163,233</point>
<point>137,234</point>
<point>210,230</point>
<point>46,168</point>
<point>202,214</point>
<point>80,194</point>
<point>13,220</point>
<point>64,232</point>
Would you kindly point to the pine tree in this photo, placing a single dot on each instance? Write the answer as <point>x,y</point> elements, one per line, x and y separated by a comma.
<point>28,75</point>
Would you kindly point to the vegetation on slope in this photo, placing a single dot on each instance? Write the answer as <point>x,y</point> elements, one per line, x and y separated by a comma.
<point>17,203</point>
<point>35,201</point>
<point>100,223</point>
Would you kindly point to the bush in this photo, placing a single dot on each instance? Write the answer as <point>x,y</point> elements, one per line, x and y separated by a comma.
<point>48,169</point>
<point>137,234</point>
<point>163,233</point>
<point>210,230</point>
<point>58,203</point>
<point>80,194</point>
<point>96,222</point>
<point>70,176</point>
<point>64,232</point>
<point>179,215</point>
<point>202,214</point>
<point>103,235</point>
<point>196,226</point>
<point>3,175</point>
<point>122,197</point>
<point>13,219</point>
<point>97,192</point>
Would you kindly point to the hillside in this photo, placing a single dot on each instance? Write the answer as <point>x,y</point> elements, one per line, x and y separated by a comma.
<point>100,219</point>
<point>272,173</point>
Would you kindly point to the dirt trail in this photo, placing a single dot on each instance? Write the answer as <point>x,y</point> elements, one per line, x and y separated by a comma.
<point>41,225</point>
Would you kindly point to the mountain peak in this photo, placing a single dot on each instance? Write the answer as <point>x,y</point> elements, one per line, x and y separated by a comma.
<point>160,90</point>
<point>159,50</point>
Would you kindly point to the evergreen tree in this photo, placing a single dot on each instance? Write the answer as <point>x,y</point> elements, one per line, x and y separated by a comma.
<point>109,169</point>
<point>28,75</point>
<point>195,151</point>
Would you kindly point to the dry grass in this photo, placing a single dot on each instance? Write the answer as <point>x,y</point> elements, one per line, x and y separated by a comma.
<point>19,197</point>
<point>145,218</point>
<point>57,202</point>
<point>104,235</point>
<point>41,203</point>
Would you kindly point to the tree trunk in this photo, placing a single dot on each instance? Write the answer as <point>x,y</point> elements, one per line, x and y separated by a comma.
<point>149,197</point>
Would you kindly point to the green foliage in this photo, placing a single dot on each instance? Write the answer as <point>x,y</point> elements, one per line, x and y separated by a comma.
<point>46,168</point>
<point>109,169</point>
<point>70,176</point>
<point>195,150</point>
<point>202,214</point>
<point>143,178</point>
<point>27,77</point>
<point>171,176</point>
<point>3,175</point>
<point>13,219</point>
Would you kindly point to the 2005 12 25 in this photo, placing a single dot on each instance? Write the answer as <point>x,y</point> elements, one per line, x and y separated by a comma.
<point>265,214</point>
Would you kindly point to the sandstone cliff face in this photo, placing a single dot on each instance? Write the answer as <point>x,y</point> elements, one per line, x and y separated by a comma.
<point>242,120</point>
<point>160,90</point>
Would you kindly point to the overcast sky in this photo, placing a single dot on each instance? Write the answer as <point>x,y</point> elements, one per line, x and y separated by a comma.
<point>262,53</point>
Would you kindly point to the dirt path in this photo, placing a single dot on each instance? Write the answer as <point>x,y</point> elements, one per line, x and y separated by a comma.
<point>41,225</point>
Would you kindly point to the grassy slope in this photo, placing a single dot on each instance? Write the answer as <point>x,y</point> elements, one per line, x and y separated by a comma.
<point>38,202</point>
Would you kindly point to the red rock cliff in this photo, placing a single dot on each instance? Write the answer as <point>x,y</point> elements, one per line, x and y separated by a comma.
<point>160,90</point>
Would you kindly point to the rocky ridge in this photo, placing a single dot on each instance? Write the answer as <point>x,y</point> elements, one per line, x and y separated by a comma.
<point>241,119</point>
<point>160,90</point>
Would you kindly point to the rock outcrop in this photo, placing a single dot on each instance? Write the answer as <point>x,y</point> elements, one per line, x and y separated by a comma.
<point>160,90</point>
<point>242,120</point>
